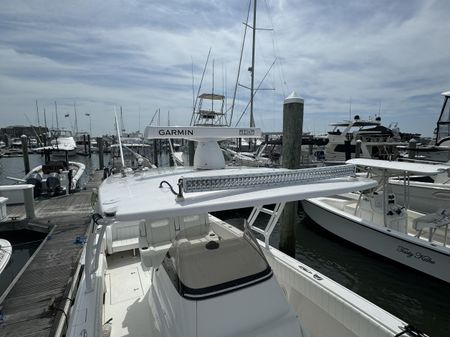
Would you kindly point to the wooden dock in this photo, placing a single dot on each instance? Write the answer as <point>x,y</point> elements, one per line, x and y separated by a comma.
<point>34,303</point>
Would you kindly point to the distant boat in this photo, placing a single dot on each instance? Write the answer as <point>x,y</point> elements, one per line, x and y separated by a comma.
<point>377,141</point>
<point>51,180</point>
<point>5,253</point>
<point>61,143</point>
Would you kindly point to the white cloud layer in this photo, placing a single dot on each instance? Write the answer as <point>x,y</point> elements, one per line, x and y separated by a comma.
<point>139,54</point>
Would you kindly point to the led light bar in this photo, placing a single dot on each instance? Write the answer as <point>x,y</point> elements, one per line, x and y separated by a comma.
<point>301,176</point>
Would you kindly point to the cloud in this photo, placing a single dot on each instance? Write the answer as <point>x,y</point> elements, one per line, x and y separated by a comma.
<point>140,54</point>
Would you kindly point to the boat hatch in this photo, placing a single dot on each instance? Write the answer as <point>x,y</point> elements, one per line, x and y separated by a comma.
<point>211,266</point>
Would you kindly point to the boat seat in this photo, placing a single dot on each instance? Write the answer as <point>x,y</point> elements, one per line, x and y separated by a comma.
<point>440,218</point>
<point>157,236</point>
<point>121,236</point>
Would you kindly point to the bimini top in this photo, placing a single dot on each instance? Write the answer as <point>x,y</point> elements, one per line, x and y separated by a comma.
<point>139,196</point>
<point>414,168</point>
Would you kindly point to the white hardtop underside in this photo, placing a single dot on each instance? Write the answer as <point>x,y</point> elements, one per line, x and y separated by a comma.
<point>139,196</point>
<point>415,168</point>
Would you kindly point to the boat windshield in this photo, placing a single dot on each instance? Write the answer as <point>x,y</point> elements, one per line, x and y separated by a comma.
<point>211,266</point>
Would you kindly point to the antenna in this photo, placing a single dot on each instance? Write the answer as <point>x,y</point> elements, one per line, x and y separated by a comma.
<point>118,137</point>
<point>121,120</point>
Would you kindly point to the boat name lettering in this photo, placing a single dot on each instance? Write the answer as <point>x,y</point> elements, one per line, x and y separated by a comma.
<point>417,255</point>
<point>246,132</point>
<point>182,132</point>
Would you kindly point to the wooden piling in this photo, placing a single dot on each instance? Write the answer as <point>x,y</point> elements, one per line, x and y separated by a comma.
<point>89,145</point>
<point>412,149</point>
<point>191,149</point>
<point>292,140</point>
<point>84,144</point>
<point>155,152</point>
<point>26,159</point>
<point>100,153</point>
<point>358,148</point>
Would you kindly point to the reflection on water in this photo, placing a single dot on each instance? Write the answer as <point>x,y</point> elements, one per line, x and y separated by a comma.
<point>412,296</point>
<point>23,243</point>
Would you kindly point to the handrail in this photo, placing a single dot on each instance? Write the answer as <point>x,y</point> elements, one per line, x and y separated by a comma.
<point>274,216</point>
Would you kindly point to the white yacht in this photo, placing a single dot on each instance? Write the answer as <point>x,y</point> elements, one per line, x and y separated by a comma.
<point>377,141</point>
<point>375,220</point>
<point>440,150</point>
<point>175,270</point>
<point>62,143</point>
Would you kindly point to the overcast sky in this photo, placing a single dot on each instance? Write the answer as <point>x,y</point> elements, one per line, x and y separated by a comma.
<point>387,55</point>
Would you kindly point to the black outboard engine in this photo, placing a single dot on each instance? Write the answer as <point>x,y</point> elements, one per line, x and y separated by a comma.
<point>53,184</point>
<point>36,180</point>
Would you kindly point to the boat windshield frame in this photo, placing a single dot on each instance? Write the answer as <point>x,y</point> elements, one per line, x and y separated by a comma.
<point>199,260</point>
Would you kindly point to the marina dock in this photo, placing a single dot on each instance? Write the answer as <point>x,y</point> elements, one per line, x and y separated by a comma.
<point>36,302</point>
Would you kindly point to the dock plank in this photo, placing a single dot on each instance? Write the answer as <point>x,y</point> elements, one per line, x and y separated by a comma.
<point>33,306</point>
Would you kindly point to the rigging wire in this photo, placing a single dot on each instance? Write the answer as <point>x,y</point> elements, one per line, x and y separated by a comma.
<point>258,88</point>
<point>276,51</point>
<point>240,62</point>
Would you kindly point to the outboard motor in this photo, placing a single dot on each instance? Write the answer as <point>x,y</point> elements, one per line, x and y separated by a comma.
<point>36,180</point>
<point>53,183</point>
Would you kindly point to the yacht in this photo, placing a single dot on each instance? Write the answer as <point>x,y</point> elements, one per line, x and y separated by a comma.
<point>375,220</point>
<point>377,141</point>
<point>440,150</point>
<point>62,144</point>
<point>169,268</point>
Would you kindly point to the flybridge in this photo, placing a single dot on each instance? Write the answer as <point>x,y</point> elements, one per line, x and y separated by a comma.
<point>200,132</point>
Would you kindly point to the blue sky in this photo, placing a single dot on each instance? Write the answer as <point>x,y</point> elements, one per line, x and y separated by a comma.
<point>140,55</point>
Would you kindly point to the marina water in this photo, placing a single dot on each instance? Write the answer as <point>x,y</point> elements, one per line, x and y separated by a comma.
<point>414,297</point>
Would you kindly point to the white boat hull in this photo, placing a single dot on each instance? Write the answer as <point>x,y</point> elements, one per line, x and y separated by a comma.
<point>402,248</point>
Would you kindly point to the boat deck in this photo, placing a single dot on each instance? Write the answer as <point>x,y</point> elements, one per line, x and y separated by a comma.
<point>126,300</point>
<point>33,305</point>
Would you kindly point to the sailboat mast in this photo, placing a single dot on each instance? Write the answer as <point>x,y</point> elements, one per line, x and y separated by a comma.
<point>56,115</point>
<point>252,120</point>
<point>76,117</point>
<point>37,113</point>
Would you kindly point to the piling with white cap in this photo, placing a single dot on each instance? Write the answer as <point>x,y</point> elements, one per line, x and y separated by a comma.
<point>292,141</point>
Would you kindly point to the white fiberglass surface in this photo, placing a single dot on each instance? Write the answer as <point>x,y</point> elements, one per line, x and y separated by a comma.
<point>126,303</point>
<point>211,265</point>
<point>411,168</point>
<point>140,196</point>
